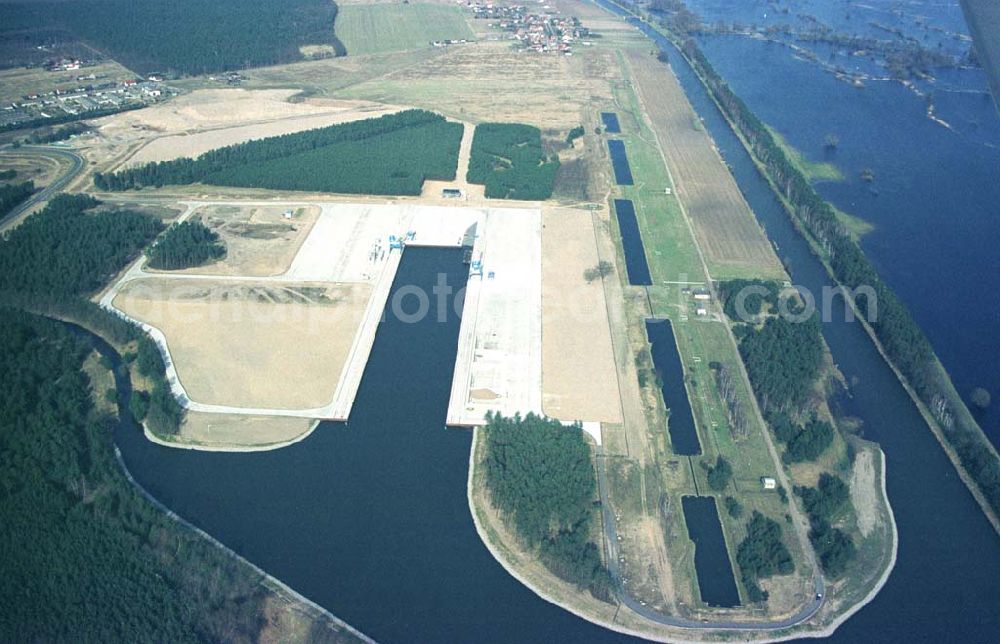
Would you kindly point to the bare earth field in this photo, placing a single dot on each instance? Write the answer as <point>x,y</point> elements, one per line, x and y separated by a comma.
<point>259,240</point>
<point>268,346</point>
<point>195,144</point>
<point>204,119</point>
<point>578,368</point>
<point>490,81</point>
<point>732,241</point>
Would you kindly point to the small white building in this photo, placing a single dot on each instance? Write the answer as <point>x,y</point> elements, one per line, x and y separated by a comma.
<point>768,482</point>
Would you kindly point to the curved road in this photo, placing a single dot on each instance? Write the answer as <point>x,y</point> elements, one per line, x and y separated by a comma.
<point>611,537</point>
<point>810,608</point>
<point>610,534</point>
<point>53,188</point>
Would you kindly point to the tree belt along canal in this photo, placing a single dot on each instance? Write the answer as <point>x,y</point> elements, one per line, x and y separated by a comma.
<point>943,587</point>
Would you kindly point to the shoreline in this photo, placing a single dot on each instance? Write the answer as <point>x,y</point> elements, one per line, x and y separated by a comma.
<point>297,601</point>
<point>679,634</point>
<point>201,447</point>
<point>275,585</point>
<point>970,483</point>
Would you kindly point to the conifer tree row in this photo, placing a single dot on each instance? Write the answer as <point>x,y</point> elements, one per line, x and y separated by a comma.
<point>388,155</point>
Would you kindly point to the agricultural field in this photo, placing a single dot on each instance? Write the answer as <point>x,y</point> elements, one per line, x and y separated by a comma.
<point>492,81</point>
<point>669,252</point>
<point>367,28</point>
<point>733,242</point>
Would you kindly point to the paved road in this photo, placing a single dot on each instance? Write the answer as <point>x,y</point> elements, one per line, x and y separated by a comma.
<point>53,188</point>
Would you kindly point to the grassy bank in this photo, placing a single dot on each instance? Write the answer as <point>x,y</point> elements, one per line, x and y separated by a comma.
<point>897,337</point>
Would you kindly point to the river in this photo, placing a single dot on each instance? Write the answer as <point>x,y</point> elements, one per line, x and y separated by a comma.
<point>946,577</point>
<point>934,200</point>
<point>370,518</point>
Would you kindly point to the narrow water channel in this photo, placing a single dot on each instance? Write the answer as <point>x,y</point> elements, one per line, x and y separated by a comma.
<point>711,559</point>
<point>667,360</point>
<point>619,161</point>
<point>635,253</point>
<point>611,124</point>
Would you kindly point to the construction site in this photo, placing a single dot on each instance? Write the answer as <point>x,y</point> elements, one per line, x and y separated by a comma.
<point>285,329</point>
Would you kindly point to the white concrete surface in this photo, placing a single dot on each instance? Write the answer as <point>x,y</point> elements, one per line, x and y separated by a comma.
<point>500,337</point>
<point>499,362</point>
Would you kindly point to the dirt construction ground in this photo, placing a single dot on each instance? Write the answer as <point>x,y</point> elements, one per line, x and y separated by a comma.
<point>733,242</point>
<point>578,369</point>
<point>259,240</point>
<point>268,346</point>
<point>204,119</point>
<point>491,81</point>
<point>192,145</point>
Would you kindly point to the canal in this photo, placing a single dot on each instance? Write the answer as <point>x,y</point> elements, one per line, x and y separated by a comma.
<point>611,124</point>
<point>944,584</point>
<point>370,518</point>
<point>711,559</point>
<point>619,160</point>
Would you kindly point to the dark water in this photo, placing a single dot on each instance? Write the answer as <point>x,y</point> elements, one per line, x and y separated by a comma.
<point>935,201</point>
<point>711,559</point>
<point>635,252</point>
<point>623,171</point>
<point>947,576</point>
<point>611,125</point>
<point>666,359</point>
<point>370,519</point>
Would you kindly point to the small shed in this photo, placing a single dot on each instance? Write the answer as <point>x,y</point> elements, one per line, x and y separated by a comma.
<point>451,193</point>
<point>768,482</point>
